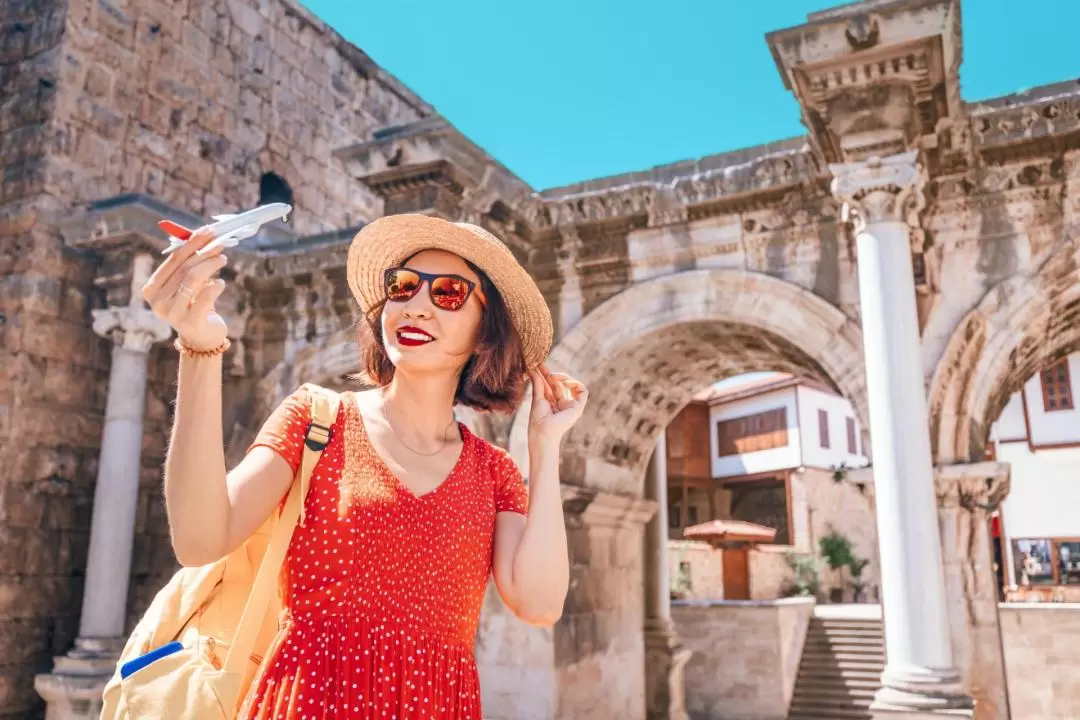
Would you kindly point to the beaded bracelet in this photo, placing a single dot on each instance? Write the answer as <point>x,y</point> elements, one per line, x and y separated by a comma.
<point>213,352</point>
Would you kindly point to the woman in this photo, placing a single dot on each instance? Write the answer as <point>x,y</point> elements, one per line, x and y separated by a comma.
<point>408,512</point>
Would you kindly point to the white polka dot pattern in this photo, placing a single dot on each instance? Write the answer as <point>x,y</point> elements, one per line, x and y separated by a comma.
<point>382,588</point>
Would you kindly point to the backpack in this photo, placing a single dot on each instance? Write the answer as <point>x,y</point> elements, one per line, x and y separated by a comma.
<point>224,615</point>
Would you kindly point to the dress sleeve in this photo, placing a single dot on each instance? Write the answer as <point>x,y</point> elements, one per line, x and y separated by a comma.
<point>511,495</point>
<point>285,429</point>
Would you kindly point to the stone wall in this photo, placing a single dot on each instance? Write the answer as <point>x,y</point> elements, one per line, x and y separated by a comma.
<point>746,656</point>
<point>51,368</point>
<point>822,504</point>
<point>703,578</point>
<point>1042,660</point>
<point>768,569</point>
<point>770,573</point>
<point>187,102</point>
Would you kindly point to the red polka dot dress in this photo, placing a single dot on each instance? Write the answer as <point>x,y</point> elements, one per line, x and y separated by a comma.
<point>382,588</point>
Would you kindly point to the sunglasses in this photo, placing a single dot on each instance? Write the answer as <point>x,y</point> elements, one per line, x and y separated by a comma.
<point>447,292</point>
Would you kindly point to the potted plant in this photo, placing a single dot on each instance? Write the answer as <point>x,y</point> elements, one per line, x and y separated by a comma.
<point>858,587</point>
<point>837,553</point>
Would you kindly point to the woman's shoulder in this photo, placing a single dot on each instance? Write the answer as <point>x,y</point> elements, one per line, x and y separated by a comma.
<point>299,405</point>
<point>489,453</point>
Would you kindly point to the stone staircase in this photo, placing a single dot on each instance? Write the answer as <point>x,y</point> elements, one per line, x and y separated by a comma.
<point>841,666</point>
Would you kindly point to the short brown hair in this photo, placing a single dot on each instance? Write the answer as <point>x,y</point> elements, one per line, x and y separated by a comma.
<point>493,379</point>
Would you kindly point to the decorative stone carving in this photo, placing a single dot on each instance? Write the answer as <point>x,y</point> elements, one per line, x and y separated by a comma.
<point>134,326</point>
<point>664,207</point>
<point>476,202</point>
<point>879,189</point>
<point>967,495</point>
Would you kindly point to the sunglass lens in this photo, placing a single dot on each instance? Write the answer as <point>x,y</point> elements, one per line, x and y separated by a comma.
<point>401,284</point>
<point>449,293</point>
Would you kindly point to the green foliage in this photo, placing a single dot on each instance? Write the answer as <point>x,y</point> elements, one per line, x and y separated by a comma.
<point>836,550</point>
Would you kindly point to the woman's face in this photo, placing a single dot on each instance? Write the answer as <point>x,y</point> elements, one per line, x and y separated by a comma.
<point>422,337</point>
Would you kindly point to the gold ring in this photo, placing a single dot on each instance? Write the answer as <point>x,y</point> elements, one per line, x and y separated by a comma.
<point>186,292</point>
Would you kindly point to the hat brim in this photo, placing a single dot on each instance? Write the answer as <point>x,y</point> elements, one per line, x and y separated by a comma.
<point>388,241</point>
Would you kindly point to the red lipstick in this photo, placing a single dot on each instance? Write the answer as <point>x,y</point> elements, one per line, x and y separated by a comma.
<point>410,336</point>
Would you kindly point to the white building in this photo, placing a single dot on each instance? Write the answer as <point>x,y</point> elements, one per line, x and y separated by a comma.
<point>1038,434</point>
<point>771,449</point>
<point>776,422</point>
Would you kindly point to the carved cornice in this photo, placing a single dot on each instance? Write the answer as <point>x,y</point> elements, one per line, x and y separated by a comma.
<point>429,166</point>
<point>122,223</point>
<point>711,187</point>
<point>1040,121</point>
<point>873,78</point>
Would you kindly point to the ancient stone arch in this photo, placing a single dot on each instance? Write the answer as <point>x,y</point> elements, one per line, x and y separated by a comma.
<point>1020,326</point>
<point>645,351</point>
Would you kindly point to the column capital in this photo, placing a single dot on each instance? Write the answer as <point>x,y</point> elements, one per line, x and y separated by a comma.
<point>972,486</point>
<point>880,189</point>
<point>132,328</point>
<point>597,508</point>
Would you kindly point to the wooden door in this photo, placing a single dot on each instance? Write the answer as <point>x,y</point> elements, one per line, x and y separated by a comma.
<point>736,574</point>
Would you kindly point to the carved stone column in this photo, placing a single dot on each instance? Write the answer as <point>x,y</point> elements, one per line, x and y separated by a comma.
<point>599,644</point>
<point>967,495</point>
<point>73,689</point>
<point>665,656</point>
<point>920,679</point>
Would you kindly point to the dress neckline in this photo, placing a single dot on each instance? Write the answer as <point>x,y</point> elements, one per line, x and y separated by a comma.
<point>455,471</point>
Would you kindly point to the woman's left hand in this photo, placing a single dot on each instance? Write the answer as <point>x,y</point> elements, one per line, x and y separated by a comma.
<point>558,401</point>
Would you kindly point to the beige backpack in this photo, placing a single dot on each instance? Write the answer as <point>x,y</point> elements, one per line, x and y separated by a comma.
<point>224,614</point>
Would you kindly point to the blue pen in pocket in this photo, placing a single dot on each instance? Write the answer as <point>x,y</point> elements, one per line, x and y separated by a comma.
<point>142,661</point>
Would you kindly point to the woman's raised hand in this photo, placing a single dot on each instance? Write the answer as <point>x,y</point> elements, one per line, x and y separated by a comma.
<point>558,401</point>
<point>181,293</point>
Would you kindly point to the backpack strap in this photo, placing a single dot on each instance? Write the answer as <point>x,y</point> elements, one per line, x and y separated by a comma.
<point>324,409</point>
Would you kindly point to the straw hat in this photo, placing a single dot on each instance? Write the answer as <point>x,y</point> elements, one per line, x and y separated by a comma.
<point>389,240</point>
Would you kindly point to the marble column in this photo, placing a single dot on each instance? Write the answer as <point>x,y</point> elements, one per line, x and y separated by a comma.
<point>881,197</point>
<point>665,658</point>
<point>73,689</point>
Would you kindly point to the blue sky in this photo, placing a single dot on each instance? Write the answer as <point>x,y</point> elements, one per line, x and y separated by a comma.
<point>568,90</point>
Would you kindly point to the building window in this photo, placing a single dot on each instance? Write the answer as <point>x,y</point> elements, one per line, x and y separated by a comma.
<point>1056,387</point>
<point>823,428</point>
<point>752,433</point>
<point>852,443</point>
<point>762,502</point>
<point>272,189</point>
<point>1046,561</point>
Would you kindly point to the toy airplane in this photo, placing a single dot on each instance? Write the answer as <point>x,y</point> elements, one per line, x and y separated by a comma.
<point>229,230</point>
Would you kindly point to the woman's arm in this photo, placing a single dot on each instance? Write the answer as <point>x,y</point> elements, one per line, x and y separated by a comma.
<point>531,564</point>
<point>210,511</point>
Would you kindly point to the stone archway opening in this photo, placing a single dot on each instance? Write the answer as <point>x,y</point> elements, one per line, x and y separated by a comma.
<point>646,383</point>
<point>644,354</point>
<point>1019,327</point>
<point>646,351</point>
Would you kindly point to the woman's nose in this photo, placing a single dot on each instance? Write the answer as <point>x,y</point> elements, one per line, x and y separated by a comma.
<point>419,305</point>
